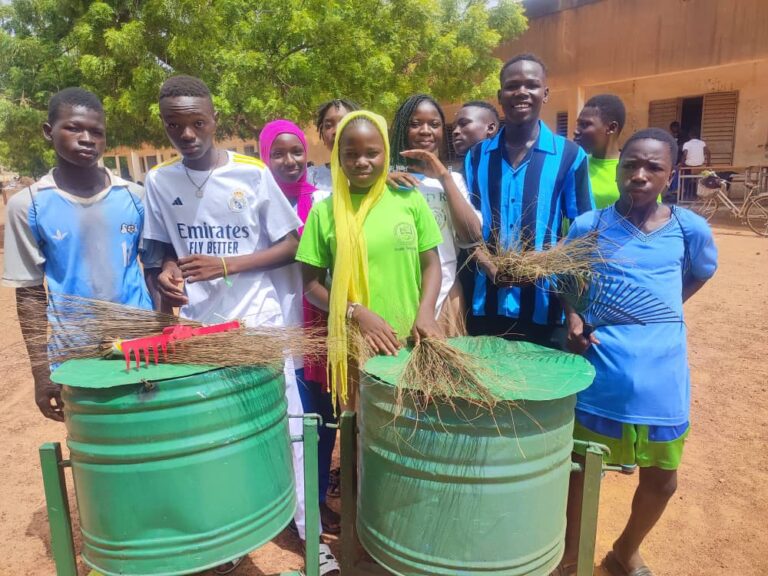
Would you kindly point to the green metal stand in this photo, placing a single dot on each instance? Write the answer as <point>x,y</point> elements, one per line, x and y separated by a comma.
<point>353,565</point>
<point>60,519</point>
<point>590,502</point>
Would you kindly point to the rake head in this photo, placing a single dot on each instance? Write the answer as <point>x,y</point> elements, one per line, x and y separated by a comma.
<point>609,301</point>
<point>150,345</point>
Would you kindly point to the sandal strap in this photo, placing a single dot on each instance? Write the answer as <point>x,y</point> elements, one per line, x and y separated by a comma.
<point>328,562</point>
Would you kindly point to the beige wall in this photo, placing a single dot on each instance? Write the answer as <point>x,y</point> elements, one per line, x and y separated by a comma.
<point>645,50</point>
<point>134,155</point>
<point>316,152</point>
<point>623,39</point>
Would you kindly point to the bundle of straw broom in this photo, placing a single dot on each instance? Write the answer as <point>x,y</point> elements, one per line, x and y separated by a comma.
<point>575,260</point>
<point>88,328</point>
<point>438,373</point>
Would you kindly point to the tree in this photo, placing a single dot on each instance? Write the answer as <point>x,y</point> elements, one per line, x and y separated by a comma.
<point>261,60</point>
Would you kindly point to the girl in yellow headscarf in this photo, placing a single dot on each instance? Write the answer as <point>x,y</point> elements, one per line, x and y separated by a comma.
<point>378,243</point>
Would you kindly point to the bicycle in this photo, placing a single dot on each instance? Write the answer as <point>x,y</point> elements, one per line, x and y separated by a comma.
<point>711,195</point>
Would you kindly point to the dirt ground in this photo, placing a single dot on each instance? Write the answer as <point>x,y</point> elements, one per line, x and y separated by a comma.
<point>715,526</point>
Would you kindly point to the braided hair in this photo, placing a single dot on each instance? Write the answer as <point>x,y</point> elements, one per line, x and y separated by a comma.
<point>398,140</point>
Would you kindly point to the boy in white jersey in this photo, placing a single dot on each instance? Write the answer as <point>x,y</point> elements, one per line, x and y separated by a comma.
<point>224,222</point>
<point>78,229</point>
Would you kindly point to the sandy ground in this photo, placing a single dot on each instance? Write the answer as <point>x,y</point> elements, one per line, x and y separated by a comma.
<point>715,525</point>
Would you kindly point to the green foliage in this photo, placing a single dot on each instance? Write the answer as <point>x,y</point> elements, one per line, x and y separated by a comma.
<point>261,59</point>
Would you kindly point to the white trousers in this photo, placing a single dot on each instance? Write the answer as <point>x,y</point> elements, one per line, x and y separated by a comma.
<point>296,427</point>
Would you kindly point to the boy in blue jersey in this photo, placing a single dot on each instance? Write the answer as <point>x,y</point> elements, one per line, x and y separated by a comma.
<point>639,402</point>
<point>527,182</point>
<point>78,229</point>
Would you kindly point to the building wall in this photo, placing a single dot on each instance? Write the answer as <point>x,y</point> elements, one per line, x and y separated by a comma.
<point>316,152</point>
<point>644,50</point>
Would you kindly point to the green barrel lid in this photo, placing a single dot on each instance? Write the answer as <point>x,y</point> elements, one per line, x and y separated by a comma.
<point>111,372</point>
<point>521,370</point>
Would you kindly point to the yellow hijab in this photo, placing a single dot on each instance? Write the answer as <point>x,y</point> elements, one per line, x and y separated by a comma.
<point>350,270</point>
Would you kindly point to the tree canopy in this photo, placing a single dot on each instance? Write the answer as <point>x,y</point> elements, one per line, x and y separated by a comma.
<point>262,60</point>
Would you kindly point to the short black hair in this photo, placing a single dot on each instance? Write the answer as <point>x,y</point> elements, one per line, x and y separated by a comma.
<point>525,57</point>
<point>610,108</point>
<point>336,103</point>
<point>654,134</point>
<point>674,123</point>
<point>482,104</point>
<point>72,97</point>
<point>183,85</point>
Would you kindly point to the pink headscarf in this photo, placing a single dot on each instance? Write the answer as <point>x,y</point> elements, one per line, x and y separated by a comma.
<point>314,368</point>
<point>300,189</point>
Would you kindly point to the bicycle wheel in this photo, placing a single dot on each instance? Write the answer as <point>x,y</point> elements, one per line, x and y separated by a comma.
<point>705,207</point>
<point>757,215</point>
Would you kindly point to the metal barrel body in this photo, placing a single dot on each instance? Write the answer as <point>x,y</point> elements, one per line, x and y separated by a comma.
<point>178,475</point>
<point>463,491</point>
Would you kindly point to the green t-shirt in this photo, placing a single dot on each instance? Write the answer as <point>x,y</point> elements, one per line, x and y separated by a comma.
<point>602,177</point>
<point>397,229</point>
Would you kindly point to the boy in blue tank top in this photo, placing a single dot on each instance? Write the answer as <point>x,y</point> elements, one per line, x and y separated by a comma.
<point>639,402</point>
<point>78,229</point>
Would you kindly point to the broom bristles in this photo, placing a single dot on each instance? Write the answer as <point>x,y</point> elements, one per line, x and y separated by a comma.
<point>87,328</point>
<point>438,373</point>
<point>576,258</point>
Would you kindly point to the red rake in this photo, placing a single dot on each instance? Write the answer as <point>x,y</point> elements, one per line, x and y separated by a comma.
<point>170,335</point>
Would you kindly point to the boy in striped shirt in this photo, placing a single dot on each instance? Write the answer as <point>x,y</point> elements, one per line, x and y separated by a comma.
<point>527,182</point>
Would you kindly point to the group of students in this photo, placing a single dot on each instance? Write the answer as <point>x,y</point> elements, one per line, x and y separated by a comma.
<point>378,239</point>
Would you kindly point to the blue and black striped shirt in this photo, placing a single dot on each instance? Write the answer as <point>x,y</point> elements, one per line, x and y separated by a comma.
<point>525,207</point>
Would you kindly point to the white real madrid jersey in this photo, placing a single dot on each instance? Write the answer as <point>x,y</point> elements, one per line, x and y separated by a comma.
<point>241,210</point>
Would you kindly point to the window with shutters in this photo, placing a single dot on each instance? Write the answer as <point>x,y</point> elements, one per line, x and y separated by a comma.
<point>561,124</point>
<point>661,113</point>
<point>718,125</point>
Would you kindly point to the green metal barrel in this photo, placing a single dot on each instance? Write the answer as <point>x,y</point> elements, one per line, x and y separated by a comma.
<point>463,490</point>
<point>176,468</point>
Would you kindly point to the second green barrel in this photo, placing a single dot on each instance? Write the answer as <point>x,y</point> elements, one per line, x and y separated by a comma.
<point>465,491</point>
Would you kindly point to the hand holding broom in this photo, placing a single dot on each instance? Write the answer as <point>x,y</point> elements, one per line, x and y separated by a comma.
<point>491,270</point>
<point>376,332</point>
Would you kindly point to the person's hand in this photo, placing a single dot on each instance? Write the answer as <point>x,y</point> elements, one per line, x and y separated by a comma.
<point>170,282</point>
<point>431,165</point>
<point>199,268</point>
<point>492,272</point>
<point>576,342</point>
<point>379,335</point>
<point>48,397</point>
<point>425,326</point>
<point>402,180</point>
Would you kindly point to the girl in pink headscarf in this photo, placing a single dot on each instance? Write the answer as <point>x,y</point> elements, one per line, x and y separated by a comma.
<point>283,147</point>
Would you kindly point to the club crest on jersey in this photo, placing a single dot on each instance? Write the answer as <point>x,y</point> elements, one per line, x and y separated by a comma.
<point>237,202</point>
<point>128,229</point>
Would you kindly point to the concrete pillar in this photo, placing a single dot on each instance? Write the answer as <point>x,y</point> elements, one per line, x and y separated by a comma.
<point>575,104</point>
<point>134,167</point>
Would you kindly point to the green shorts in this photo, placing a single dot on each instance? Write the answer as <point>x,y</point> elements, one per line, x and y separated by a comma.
<point>632,444</point>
